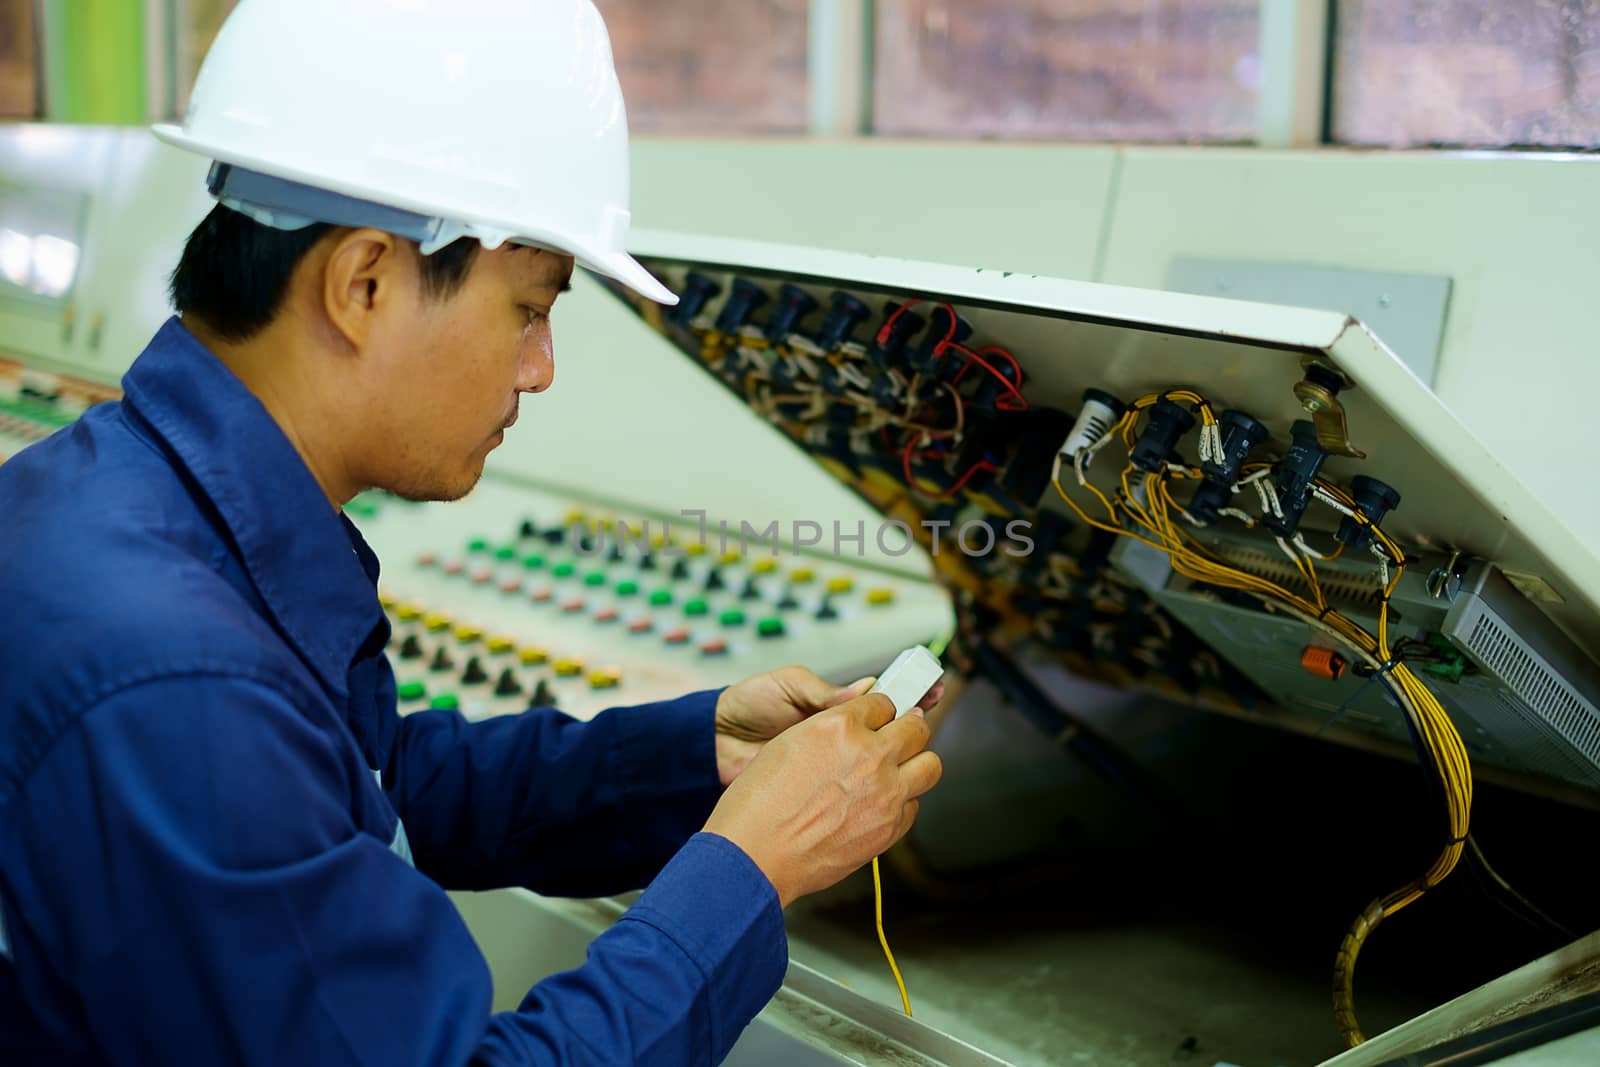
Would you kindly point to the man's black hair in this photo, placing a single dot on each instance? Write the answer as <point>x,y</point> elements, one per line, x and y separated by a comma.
<point>234,271</point>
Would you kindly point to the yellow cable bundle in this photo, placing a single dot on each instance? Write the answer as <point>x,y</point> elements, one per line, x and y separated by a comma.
<point>1153,524</point>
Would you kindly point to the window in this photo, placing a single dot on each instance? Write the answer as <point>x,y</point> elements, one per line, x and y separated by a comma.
<point>1467,72</point>
<point>711,66</point>
<point>196,26</point>
<point>1138,70</point>
<point>19,92</point>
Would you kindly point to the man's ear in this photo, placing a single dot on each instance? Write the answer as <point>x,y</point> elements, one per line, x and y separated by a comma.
<point>363,274</point>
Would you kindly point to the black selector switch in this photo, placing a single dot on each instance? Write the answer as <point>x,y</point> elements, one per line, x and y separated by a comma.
<point>939,333</point>
<point>1296,474</point>
<point>474,674</point>
<point>698,290</point>
<point>845,314</point>
<point>1168,422</point>
<point>411,648</point>
<point>441,661</point>
<point>887,350</point>
<point>543,695</point>
<point>507,685</point>
<point>1374,499</point>
<point>794,304</point>
<point>1240,433</point>
<point>742,302</point>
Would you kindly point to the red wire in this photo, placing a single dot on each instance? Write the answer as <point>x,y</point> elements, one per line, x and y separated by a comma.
<point>981,465</point>
<point>949,336</point>
<point>1020,403</point>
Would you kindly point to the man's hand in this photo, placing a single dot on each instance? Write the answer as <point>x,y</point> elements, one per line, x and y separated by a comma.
<point>754,711</point>
<point>826,796</point>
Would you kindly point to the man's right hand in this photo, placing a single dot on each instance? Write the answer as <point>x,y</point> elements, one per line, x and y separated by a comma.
<point>828,794</point>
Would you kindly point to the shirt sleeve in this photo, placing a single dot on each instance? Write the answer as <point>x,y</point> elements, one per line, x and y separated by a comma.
<point>559,806</point>
<point>186,861</point>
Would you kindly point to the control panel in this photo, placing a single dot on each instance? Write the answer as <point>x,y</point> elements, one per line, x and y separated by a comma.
<point>518,596</point>
<point>35,404</point>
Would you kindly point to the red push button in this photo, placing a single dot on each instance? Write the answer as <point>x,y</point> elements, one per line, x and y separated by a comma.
<point>540,595</point>
<point>572,607</point>
<point>640,626</point>
<point>677,636</point>
<point>606,615</point>
<point>715,647</point>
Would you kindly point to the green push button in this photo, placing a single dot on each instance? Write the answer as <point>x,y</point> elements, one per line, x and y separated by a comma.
<point>533,562</point>
<point>661,597</point>
<point>595,578</point>
<point>732,617</point>
<point>627,588</point>
<point>563,570</point>
<point>505,552</point>
<point>412,691</point>
<point>444,702</point>
<point>696,606</point>
<point>477,544</point>
<point>770,627</point>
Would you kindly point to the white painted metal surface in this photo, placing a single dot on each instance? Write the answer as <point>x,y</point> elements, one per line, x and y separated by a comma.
<point>1070,335</point>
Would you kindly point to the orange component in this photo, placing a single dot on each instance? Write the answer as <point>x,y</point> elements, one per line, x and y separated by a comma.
<point>1323,662</point>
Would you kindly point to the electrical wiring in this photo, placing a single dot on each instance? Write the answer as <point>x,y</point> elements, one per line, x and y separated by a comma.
<point>877,907</point>
<point>1150,521</point>
<point>1015,401</point>
<point>961,483</point>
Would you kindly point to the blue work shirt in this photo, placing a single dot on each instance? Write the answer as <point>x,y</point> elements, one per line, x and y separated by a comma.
<point>209,804</point>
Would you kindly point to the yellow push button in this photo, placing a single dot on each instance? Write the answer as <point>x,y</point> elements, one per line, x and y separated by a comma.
<point>436,621</point>
<point>606,678</point>
<point>801,575</point>
<point>408,612</point>
<point>694,548</point>
<point>764,566</point>
<point>499,645</point>
<point>729,558</point>
<point>840,585</point>
<point>533,655</point>
<point>385,601</point>
<point>568,666</point>
<point>467,633</point>
<point>880,597</point>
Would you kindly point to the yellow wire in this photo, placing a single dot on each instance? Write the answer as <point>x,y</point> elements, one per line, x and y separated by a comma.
<point>1441,743</point>
<point>877,902</point>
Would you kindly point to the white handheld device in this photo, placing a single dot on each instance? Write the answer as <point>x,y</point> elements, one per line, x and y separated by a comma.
<point>908,679</point>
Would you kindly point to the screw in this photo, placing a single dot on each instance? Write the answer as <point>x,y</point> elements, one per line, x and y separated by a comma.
<point>1384,300</point>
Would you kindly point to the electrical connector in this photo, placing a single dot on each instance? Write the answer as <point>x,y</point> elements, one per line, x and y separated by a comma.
<point>1296,474</point>
<point>1239,433</point>
<point>1167,422</point>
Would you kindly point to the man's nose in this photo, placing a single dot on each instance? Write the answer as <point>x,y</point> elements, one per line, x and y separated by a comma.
<point>538,361</point>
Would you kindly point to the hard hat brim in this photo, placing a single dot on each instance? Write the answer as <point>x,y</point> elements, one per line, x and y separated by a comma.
<point>618,265</point>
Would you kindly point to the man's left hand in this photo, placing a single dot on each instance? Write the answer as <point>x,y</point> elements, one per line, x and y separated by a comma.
<point>752,712</point>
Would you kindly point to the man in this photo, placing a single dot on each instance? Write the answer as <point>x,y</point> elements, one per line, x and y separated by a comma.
<point>209,808</point>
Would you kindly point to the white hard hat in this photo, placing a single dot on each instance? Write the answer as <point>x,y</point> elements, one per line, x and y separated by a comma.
<point>433,119</point>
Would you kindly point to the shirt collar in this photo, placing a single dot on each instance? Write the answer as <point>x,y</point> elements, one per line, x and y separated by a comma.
<point>311,567</point>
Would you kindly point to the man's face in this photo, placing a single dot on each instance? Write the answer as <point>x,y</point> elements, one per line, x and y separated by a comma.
<point>451,370</point>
